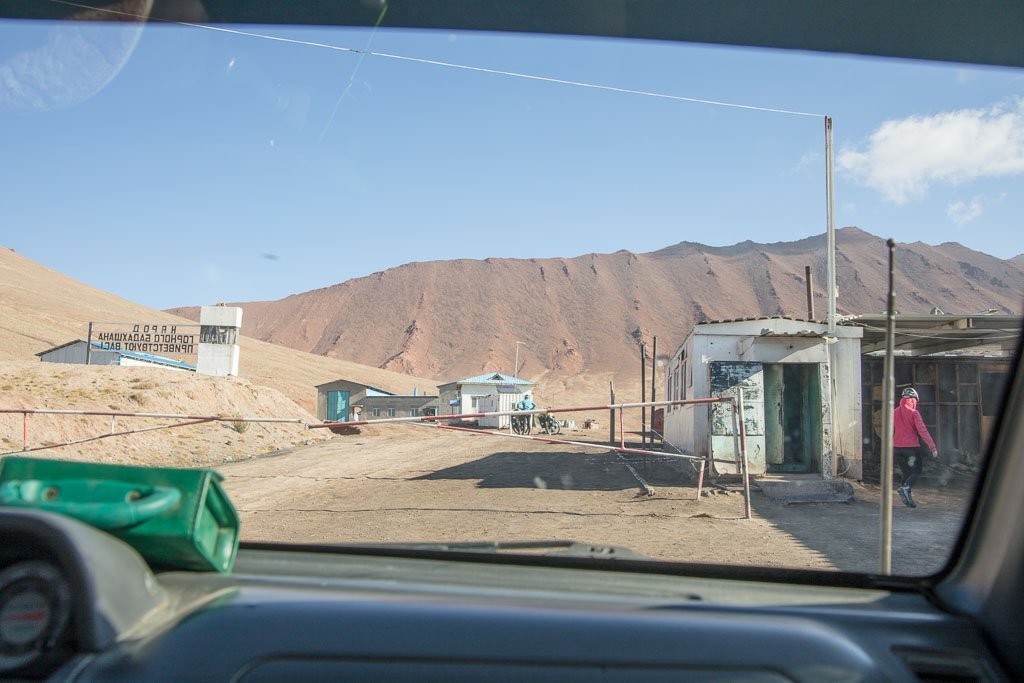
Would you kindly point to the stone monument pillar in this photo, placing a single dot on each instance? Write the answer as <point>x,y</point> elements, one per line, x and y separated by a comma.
<point>218,340</point>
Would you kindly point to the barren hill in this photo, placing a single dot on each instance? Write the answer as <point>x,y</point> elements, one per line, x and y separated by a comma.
<point>33,384</point>
<point>41,308</point>
<point>583,316</point>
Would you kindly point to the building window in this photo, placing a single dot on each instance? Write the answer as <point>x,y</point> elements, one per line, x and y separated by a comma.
<point>218,334</point>
<point>473,401</point>
<point>412,412</point>
<point>391,412</point>
<point>376,412</point>
<point>671,389</point>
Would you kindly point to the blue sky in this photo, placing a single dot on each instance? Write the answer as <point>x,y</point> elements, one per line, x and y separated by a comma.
<point>176,165</point>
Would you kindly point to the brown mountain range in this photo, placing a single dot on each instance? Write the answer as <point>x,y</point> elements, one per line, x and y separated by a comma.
<point>585,315</point>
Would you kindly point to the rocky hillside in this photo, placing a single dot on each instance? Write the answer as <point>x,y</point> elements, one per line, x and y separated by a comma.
<point>585,315</point>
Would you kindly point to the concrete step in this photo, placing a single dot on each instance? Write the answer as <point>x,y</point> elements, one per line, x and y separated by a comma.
<point>790,491</point>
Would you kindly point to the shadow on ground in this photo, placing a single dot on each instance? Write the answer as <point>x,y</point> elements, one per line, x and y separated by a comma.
<point>847,534</point>
<point>560,470</point>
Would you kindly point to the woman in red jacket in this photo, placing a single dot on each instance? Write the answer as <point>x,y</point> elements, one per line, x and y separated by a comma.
<point>908,430</point>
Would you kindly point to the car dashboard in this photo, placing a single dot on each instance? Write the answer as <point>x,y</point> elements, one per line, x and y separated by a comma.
<point>286,614</point>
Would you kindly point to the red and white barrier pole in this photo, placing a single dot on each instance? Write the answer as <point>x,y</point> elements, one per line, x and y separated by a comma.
<point>566,442</point>
<point>107,436</point>
<point>502,413</point>
<point>161,416</point>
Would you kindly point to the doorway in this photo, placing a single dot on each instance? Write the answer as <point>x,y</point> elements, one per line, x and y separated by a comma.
<point>792,407</point>
<point>337,406</point>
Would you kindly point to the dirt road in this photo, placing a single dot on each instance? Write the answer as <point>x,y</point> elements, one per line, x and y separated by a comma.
<point>408,484</point>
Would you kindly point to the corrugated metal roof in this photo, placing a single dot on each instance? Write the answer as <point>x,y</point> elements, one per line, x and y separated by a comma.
<point>495,378</point>
<point>760,317</point>
<point>803,333</point>
<point>66,344</point>
<point>158,360</point>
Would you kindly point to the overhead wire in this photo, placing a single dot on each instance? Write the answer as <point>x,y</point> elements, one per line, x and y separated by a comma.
<point>441,63</point>
<point>352,78</point>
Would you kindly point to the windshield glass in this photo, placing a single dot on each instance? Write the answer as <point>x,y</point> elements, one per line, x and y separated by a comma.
<point>470,254</point>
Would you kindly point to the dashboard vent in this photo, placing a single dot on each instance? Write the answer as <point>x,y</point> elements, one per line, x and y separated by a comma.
<point>941,667</point>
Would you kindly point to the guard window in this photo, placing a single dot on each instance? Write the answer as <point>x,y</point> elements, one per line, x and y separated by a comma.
<point>217,334</point>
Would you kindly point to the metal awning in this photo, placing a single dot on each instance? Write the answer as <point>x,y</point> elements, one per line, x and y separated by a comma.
<point>922,335</point>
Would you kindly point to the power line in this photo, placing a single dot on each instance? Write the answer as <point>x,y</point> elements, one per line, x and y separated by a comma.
<point>352,78</point>
<point>450,65</point>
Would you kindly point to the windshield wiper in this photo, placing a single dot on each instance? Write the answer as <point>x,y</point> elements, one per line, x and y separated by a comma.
<point>562,548</point>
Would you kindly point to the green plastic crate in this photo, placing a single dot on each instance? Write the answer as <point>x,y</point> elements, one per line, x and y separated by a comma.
<point>175,518</point>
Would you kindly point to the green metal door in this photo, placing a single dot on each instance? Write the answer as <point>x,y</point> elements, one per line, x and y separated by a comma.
<point>800,418</point>
<point>337,406</point>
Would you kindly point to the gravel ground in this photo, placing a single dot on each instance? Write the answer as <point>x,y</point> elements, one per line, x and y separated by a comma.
<point>415,484</point>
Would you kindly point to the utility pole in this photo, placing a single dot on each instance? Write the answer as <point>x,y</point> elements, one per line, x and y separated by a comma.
<point>515,374</point>
<point>830,227</point>
<point>830,338</point>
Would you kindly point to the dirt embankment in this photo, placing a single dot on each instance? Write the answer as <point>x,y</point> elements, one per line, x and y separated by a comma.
<point>28,384</point>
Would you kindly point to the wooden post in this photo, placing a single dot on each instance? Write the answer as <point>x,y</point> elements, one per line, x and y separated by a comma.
<point>24,431</point>
<point>743,457</point>
<point>888,406</point>
<point>810,293</point>
<point>700,478</point>
<point>88,346</point>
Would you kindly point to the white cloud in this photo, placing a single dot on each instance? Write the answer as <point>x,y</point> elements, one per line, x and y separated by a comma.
<point>962,214</point>
<point>904,157</point>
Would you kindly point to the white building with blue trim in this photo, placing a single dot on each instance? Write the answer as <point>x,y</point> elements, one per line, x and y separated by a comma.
<point>76,352</point>
<point>495,390</point>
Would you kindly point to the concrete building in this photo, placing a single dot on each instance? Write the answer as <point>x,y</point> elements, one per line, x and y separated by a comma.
<point>791,380</point>
<point>465,395</point>
<point>342,400</point>
<point>218,340</point>
<point>102,354</point>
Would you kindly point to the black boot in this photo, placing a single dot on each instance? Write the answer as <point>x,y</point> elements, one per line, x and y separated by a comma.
<point>910,498</point>
<point>905,496</point>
